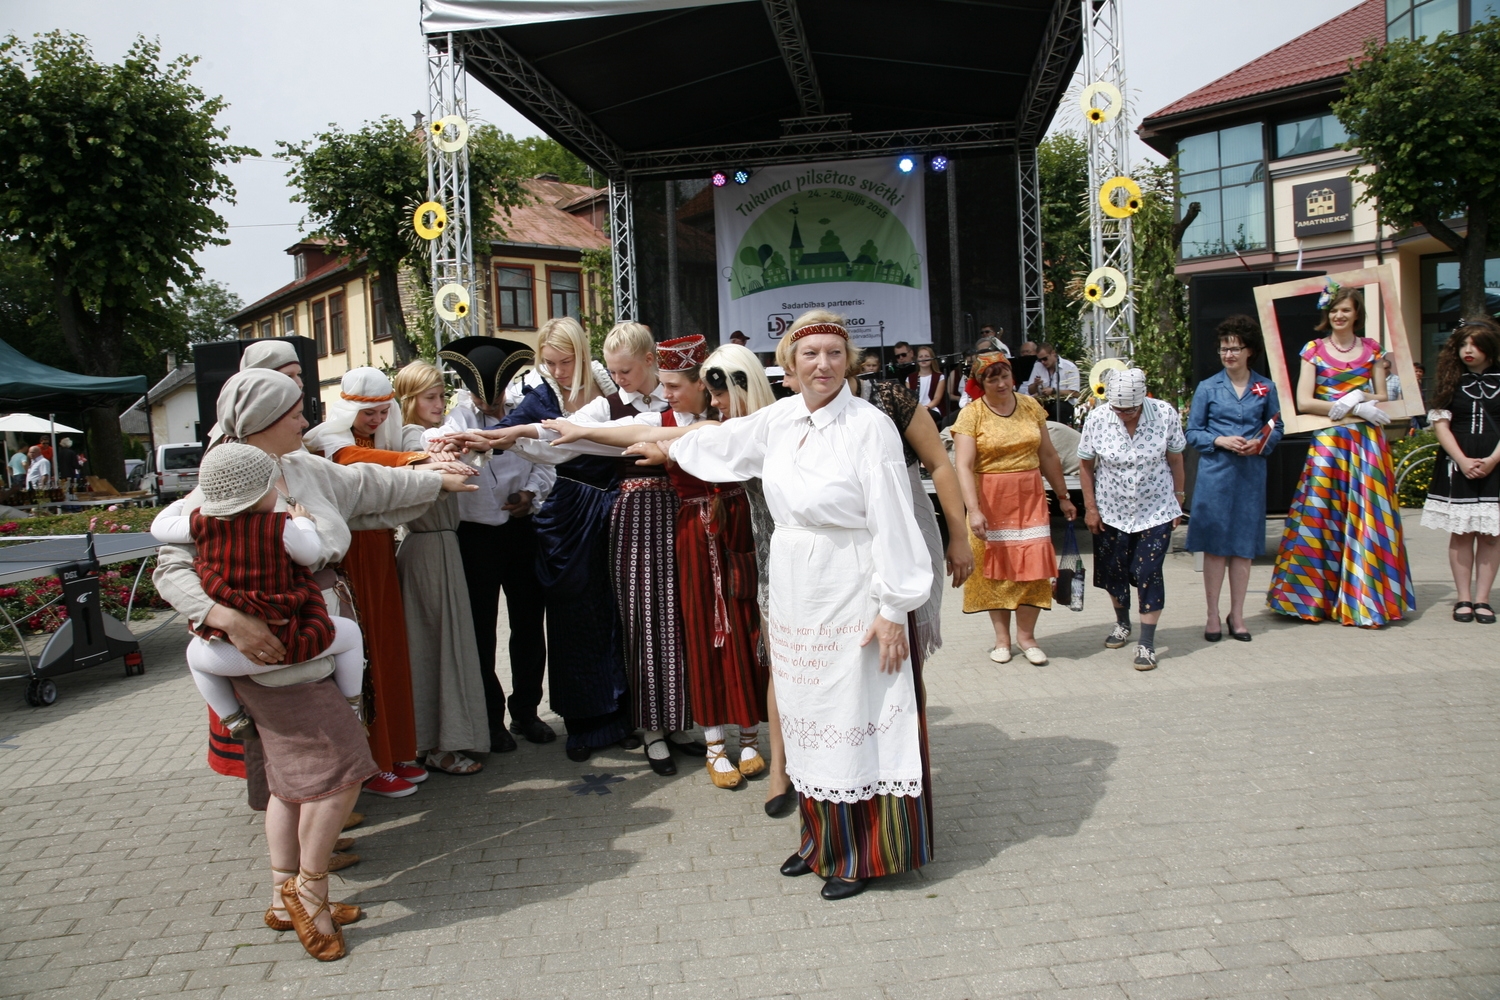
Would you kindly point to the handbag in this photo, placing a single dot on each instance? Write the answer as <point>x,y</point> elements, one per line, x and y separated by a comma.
<point>1068,587</point>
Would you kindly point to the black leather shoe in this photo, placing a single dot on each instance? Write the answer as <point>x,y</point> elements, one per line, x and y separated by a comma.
<point>501,741</point>
<point>631,742</point>
<point>1214,636</point>
<point>535,731</point>
<point>665,765</point>
<point>781,806</point>
<point>580,754</point>
<point>693,748</point>
<point>837,888</point>
<point>1241,636</point>
<point>795,866</point>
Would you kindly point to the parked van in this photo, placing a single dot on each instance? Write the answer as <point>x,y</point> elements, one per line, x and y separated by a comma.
<point>173,470</point>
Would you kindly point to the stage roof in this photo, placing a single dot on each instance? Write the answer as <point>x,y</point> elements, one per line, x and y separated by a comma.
<point>669,87</point>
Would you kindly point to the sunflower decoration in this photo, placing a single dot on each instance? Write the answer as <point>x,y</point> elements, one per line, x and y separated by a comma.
<point>1096,115</point>
<point>1093,292</point>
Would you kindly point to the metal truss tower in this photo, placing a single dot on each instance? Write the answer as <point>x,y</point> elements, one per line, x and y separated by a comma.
<point>622,245</point>
<point>1029,211</point>
<point>454,290</point>
<point>1111,329</point>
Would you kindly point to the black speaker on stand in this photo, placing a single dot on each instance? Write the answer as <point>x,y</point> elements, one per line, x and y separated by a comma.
<point>214,364</point>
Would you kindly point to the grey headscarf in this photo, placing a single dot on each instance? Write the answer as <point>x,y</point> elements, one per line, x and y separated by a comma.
<point>271,354</point>
<point>254,400</point>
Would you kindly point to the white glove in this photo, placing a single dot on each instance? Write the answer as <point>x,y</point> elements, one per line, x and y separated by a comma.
<point>1371,413</point>
<point>1345,403</point>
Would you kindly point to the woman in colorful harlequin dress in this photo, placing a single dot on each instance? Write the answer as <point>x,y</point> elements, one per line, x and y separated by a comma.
<point>1342,556</point>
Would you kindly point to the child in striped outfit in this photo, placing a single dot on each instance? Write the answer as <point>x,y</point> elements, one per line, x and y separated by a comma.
<point>255,559</point>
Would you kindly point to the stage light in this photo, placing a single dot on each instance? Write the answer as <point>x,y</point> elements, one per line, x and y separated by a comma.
<point>906,164</point>
<point>742,177</point>
<point>938,163</point>
<point>719,177</point>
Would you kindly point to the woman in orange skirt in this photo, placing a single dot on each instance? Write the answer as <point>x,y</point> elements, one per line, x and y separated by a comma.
<point>358,430</point>
<point>1003,451</point>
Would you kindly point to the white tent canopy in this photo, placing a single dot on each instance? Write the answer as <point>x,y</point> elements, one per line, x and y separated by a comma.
<point>25,423</point>
<point>440,16</point>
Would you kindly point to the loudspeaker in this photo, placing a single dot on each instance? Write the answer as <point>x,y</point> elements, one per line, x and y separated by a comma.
<point>1213,298</point>
<point>214,364</point>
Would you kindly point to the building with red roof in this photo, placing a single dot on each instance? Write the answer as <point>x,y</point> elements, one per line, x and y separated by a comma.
<point>1259,154</point>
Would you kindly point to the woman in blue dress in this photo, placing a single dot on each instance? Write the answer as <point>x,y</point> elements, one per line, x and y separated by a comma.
<point>1234,424</point>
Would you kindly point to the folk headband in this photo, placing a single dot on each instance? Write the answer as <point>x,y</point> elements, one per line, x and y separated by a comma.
<point>813,329</point>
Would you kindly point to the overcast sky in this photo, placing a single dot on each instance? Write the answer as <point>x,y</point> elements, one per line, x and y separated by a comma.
<point>290,67</point>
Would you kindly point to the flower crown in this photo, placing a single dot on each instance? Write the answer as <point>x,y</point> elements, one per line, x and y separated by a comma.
<point>1330,292</point>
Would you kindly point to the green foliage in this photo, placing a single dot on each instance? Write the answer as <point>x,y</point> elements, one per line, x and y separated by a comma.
<point>1062,169</point>
<point>197,315</point>
<point>1162,343</point>
<point>598,267</point>
<point>1414,487</point>
<point>1425,115</point>
<point>535,155</point>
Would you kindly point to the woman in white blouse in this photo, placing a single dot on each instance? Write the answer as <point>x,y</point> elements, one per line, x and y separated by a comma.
<point>847,564</point>
<point>1130,470</point>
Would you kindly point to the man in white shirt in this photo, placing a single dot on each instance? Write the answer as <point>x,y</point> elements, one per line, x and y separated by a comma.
<point>1054,382</point>
<point>40,470</point>
<point>497,540</point>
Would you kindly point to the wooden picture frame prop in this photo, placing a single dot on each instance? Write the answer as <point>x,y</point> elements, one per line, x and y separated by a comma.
<point>1379,287</point>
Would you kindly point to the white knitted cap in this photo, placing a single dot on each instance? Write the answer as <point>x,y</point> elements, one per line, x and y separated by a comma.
<point>233,478</point>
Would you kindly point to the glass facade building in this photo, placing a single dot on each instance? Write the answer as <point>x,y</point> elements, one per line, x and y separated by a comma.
<point>1225,173</point>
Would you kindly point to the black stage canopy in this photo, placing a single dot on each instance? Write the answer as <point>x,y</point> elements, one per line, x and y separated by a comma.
<point>664,88</point>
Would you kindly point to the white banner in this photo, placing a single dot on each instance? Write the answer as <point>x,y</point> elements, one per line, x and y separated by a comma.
<point>849,236</point>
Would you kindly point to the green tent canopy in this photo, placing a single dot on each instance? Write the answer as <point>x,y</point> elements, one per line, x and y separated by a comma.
<point>28,386</point>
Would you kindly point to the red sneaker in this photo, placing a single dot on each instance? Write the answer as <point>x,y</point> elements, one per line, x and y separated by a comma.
<point>410,770</point>
<point>387,784</point>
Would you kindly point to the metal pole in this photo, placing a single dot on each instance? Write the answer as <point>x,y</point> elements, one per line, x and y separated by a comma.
<point>52,421</point>
<point>674,311</point>
<point>954,299</point>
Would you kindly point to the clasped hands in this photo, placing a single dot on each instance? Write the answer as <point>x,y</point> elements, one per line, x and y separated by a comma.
<point>1360,404</point>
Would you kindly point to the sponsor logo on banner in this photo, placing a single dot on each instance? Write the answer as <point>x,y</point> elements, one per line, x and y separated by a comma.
<point>849,237</point>
<point>1322,207</point>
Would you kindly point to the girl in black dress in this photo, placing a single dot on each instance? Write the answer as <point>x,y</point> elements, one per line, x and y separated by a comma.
<point>1464,498</point>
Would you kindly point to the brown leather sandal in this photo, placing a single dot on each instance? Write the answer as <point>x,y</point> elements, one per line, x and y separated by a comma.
<point>721,779</point>
<point>342,913</point>
<point>323,947</point>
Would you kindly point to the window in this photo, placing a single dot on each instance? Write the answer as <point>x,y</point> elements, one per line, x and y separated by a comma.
<point>299,266</point>
<point>336,323</point>
<point>1440,301</point>
<point>1423,18</point>
<point>267,328</point>
<point>380,328</point>
<point>513,289</point>
<point>1309,135</point>
<point>1225,172</point>
<point>320,326</point>
<point>289,323</point>
<point>247,333</point>
<point>565,288</point>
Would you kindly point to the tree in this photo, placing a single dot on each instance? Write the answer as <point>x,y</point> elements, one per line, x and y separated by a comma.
<point>361,189</point>
<point>540,155</point>
<point>1063,175</point>
<point>1425,115</point>
<point>1162,343</point>
<point>197,315</point>
<point>108,175</point>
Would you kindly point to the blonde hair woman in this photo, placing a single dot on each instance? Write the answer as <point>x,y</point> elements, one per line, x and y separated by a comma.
<point>447,694</point>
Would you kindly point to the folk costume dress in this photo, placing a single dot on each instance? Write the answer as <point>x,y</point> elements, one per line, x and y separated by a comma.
<point>1456,503</point>
<point>586,673</point>
<point>370,565</point>
<point>1015,562</point>
<point>1229,494</point>
<point>447,689</point>
<point>846,548</point>
<point>1342,555</point>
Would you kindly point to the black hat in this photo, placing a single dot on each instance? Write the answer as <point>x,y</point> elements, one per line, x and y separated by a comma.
<point>486,364</point>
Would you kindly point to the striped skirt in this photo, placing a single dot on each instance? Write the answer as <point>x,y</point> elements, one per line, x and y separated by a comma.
<point>642,563</point>
<point>881,835</point>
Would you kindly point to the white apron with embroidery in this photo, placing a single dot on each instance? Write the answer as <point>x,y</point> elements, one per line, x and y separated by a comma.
<point>846,549</point>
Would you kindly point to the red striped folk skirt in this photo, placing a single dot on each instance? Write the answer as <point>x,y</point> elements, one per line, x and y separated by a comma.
<point>640,557</point>
<point>881,835</point>
<point>717,581</point>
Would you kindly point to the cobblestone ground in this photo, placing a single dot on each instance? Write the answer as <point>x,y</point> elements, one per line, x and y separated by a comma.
<point>1309,815</point>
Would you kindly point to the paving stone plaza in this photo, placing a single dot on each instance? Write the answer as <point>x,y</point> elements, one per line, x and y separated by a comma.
<point>1309,815</point>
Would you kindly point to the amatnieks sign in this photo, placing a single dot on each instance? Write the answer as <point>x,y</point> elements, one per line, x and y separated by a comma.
<point>1322,207</point>
<point>848,236</point>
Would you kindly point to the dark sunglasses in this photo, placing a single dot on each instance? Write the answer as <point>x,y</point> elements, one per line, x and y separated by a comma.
<point>718,379</point>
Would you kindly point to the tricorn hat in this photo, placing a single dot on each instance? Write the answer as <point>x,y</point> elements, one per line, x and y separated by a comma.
<point>486,364</point>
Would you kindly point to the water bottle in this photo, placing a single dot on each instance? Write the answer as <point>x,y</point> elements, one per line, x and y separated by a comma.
<point>1077,603</point>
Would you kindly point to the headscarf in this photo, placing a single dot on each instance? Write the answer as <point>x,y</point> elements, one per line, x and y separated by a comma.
<point>1125,389</point>
<point>982,363</point>
<point>360,389</point>
<point>271,354</point>
<point>253,400</point>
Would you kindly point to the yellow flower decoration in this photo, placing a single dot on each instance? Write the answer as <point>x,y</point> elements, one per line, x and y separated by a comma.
<point>1093,293</point>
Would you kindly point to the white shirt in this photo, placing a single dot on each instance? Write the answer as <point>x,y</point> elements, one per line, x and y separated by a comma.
<point>40,471</point>
<point>1132,481</point>
<point>503,474</point>
<point>1063,378</point>
<point>300,536</point>
<point>596,411</point>
<point>840,466</point>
